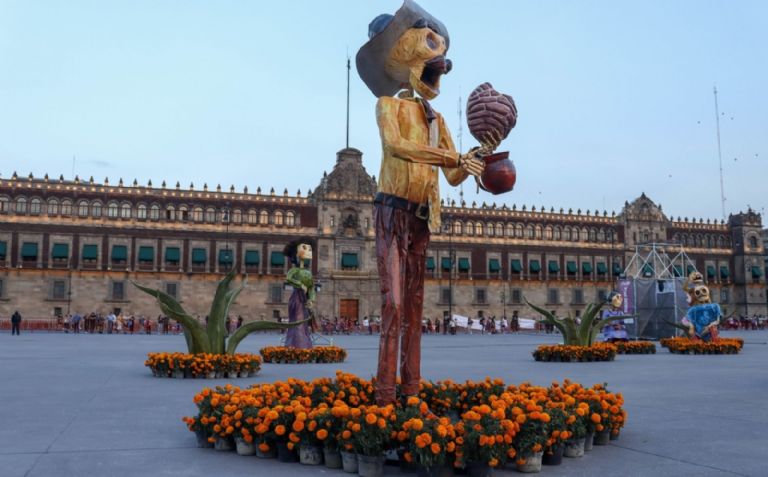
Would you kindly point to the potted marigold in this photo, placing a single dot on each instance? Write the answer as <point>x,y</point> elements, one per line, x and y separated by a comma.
<point>553,450</point>
<point>531,437</point>
<point>429,442</point>
<point>310,443</point>
<point>371,429</point>
<point>483,437</point>
<point>329,421</point>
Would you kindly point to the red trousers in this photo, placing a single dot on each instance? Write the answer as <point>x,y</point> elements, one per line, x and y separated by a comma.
<point>401,245</point>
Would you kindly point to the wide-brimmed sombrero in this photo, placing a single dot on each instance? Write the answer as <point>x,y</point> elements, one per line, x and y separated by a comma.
<point>383,33</point>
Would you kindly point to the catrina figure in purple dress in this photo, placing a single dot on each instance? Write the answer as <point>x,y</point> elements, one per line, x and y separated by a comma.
<point>301,303</point>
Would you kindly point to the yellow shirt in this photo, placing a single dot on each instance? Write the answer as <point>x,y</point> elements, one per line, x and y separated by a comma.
<point>409,163</point>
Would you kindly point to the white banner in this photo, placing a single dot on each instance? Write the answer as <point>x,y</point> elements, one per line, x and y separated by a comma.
<point>461,321</point>
<point>527,324</point>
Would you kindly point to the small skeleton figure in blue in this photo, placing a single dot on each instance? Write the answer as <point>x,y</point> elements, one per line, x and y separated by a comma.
<point>703,316</point>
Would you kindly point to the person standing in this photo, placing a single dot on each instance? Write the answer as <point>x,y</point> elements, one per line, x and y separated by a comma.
<point>15,323</point>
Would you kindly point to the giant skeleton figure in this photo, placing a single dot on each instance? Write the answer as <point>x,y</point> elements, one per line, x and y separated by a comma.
<point>405,54</point>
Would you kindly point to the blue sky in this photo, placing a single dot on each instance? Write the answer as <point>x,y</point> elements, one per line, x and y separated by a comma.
<point>614,98</point>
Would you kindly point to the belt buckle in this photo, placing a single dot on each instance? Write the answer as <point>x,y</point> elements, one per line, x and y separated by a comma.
<point>422,212</point>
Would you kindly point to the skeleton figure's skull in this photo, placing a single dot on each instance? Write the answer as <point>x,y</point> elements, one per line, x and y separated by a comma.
<point>304,252</point>
<point>695,277</point>
<point>617,301</point>
<point>701,294</point>
<point>418,59</point>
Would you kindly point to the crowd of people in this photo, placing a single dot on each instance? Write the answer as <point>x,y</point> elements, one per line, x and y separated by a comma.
<point>756,322</point>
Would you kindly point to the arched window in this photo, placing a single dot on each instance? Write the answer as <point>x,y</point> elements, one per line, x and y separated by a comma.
<point>457,227</point>
<point>720,241</point>
<point>21,205</point>
<point>479,229</point>
<point>96,209</point>
<point>529,232</point>
<point>197,214</point>
<point>154,212</point>
<point>567,234</point>
<point>468,228</point>
<point>53,207</point>
<point>252,217</point>
<point>210,215</point>
<point>710,242</point>
<point>548,232</point>
<point>538,232</point>
<point>125,211</point>
<point>490,230</point>
<point>290,219</point>
<point>141,212</point>
<point>112,210</point>
<point>592,235</point>
<point>601,235</point>
<point>510,230</point>
<point>82,208</point>
<point>264,218</point>
<point>753,242</point>
<point>170,213</point>
<point>499,230</point>
<point>557,233</point>
<point>278,218</point>
<point>584,234</point>
<point>35,205</point>
<point>183,214</point>
<point>66,207</point>
<point>4,205</point>
<point>519,230</point>
<point>237,216</point>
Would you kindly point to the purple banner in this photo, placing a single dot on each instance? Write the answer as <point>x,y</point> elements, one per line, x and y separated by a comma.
<point>628,292</point>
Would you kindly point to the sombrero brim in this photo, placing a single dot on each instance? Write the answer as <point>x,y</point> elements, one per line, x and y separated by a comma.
<point>372,56</point>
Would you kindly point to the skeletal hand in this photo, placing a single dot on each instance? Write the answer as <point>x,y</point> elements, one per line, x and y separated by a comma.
<point>490,142</point>
<point>470,163</point>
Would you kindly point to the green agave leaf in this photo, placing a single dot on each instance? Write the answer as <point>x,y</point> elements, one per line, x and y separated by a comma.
<point>253,326</point>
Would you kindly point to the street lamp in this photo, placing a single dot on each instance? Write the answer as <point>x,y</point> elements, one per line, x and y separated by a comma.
<point>227,212</point>
<point>452,258</point>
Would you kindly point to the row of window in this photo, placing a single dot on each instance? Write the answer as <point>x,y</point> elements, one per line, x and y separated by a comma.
<point>704,240</point>
<point>537,232</point>
<point>515,296</point>
<point>58,289</point>
<point>462,265</point>
<point>125,210</point>
<point>146,256</point>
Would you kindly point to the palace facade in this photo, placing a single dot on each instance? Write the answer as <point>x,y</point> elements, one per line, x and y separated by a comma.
<point>76,246</point>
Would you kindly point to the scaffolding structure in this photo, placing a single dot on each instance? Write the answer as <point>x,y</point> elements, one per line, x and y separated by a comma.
<point>652,285</point>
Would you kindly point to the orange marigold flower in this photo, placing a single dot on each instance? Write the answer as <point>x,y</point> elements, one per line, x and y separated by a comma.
<point>595,418</point>
<point>435,448</point>
<point>280,429</point>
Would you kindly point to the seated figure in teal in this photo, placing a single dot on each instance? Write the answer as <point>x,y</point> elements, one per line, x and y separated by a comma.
<point>703,316</point>
<point>301,303</point>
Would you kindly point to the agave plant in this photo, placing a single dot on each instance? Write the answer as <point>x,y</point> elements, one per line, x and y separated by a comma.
<point>211,338</point>
<point>582,333</point>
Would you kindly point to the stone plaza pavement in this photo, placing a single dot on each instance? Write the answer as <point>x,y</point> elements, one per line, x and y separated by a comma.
<point>84,405</point>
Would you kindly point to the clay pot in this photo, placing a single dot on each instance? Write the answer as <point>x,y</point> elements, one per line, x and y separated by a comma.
<point>499,175</point>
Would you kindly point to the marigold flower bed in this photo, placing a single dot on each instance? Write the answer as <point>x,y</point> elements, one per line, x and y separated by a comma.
<point>203,365</point>
<point>635,347</point>
<point>682,345</point>
<point>446,424</point>
<point>569,353</point>
<point>318,354</point>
